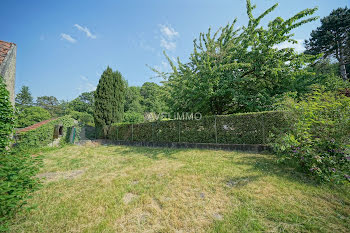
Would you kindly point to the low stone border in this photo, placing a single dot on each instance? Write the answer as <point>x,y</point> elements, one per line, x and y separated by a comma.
<point>232,147</point>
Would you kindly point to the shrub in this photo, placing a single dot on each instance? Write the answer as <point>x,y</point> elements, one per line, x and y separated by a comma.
<point>6,118</point>
<point>250,128</point>
<point>133,117</point>
<point>32,115</point>
<point>318,141</point>
<point>83,117</point>
<point>16,170</point>
<point>43,135</point>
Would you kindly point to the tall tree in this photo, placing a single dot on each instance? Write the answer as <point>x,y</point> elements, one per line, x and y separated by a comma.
<point>109,99</point>
<point>153,97</point>
<point>50,103</point>
<point>238,70</point>
<point>84,103</point>
<point>24,97</point>
<point>332,38</point>
<point>133,100</point>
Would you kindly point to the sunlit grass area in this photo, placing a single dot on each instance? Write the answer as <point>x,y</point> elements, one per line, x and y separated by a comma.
<point>96,188</point>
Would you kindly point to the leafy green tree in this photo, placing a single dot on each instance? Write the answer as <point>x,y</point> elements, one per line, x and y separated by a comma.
<point>133,117</point>
<point>153,97</point>
<point>24,98</point>
<point>82,117</point>
<point>84,103</point>
<point>239,70</point>
<point>50,103</point>
<point>133,100</point>
<point>32,115</point>
<point>332,38</point>
<point>109,100</point>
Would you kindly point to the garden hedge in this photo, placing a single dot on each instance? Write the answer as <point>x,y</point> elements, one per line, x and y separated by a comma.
<point>246,128</point>
<point>43,135</point>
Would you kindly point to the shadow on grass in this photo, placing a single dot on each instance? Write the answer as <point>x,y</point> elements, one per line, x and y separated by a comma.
<point>267,164</point>
<point>150,152</point>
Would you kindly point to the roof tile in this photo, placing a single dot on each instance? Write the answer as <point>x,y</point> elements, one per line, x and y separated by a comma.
<point>4,49</point>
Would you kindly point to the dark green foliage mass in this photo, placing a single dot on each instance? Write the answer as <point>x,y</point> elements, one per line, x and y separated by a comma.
<point>109,99</point>
<point>16,170</point>
<point>31,115</point>
<point>332,38</point>
<point>7,118</point>
<point>84,103</point>
<point>153,97</point>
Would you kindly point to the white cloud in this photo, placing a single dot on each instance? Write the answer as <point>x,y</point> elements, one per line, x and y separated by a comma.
<point>168,37</point>
<point>168,31</point>
<point>68,38</point>
<point>168,45</point>
<point>299,47</point>
<point>85,85</point>
<point>145,46</point>
<point>86,30</point>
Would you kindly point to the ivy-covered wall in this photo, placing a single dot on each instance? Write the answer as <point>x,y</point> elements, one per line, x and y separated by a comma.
<point>246,128</point>
<point>44,135</point>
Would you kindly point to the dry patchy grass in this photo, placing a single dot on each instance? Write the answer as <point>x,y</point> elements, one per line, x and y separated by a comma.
<point>128,189</point>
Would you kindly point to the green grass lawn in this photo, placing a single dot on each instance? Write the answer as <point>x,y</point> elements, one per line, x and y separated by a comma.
<point>133,189</point>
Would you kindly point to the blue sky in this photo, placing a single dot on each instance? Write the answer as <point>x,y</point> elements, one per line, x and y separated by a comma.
<point>64,46</point>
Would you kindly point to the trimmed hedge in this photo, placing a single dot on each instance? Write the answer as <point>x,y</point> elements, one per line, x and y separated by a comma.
<point>246,128</point>
<point>43,135</point>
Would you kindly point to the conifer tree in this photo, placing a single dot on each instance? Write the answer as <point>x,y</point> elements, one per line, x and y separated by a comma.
<point>109,100</point>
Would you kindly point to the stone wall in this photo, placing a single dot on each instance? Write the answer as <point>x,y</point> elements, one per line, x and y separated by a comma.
<point>8,71</point>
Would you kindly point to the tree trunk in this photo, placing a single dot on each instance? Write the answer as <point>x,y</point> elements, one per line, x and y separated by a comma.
<point>342,66</point>
<point>343,72</point>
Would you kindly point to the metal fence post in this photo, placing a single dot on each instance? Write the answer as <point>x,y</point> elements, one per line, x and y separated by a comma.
<point>263,129</point>
<point>132,132</point>
<point>179,131</point>
<point>216,131</point>
<point>152,131</point>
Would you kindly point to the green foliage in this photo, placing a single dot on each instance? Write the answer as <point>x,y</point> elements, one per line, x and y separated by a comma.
<point>31,115</point>
<point>84,103</point>
<point>109,100</point>
<point>318,140</point>
<point>7,118</point>
<point>16,170</point>
<point>133,117</point>
<point>133,100</point>
<point>43,135</point>
<point>51,104</point>
<point>24,98</point>
<point>17,182</point>
<point>153,97</point>
<point>239,70</point>
<point>332,38</point>
<point>83,117</point>
<point>249,128</point>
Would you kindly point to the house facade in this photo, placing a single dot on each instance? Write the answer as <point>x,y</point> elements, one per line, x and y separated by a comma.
<point>8,66</point>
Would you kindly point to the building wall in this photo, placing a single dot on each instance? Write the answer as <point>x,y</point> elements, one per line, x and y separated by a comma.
<point>8,71</point>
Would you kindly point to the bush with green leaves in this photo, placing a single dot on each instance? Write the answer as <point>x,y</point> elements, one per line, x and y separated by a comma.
<point>133,117</point>
<point>246,128</point>
<point>16,170</point>
<point>318,141</point>
<point>43,135</point>
<point>7,118</point>
<point>31,115</point>
<point>83,117</point>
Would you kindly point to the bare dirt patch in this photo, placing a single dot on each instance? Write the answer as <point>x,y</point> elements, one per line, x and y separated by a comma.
<point>53,176</point>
